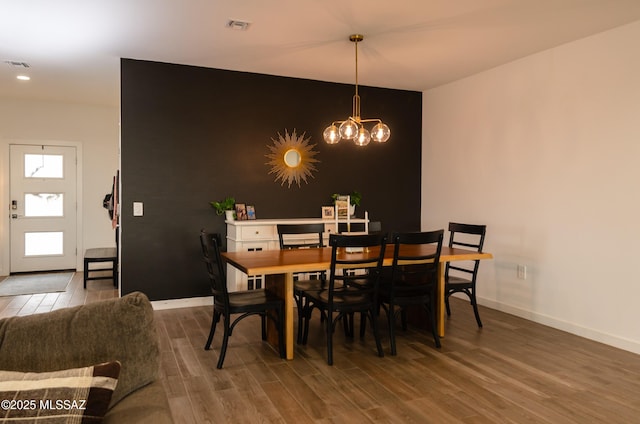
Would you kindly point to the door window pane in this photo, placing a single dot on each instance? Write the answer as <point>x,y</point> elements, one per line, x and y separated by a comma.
<point>43,166</point>
<point>43,204</point>
<point>43,243</point>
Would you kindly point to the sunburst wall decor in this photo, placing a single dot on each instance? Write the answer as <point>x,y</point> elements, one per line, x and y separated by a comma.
<point>292,158</point>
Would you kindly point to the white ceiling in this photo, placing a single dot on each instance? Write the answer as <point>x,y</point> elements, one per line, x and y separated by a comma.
<point>73,46</point>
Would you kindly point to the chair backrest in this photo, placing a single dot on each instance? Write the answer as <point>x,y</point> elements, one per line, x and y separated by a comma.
<point>416,257</point>
<point>345,256</point>
<point>215,266</point>
<point>311,230</point>
<point>466,236</point>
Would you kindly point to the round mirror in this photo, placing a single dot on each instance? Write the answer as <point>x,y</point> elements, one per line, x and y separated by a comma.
<point>292,158</point>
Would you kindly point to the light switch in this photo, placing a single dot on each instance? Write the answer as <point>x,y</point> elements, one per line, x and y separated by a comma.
<point>138,209</point>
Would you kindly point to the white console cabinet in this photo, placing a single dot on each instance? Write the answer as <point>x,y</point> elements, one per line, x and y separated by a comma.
<point>262,234</point>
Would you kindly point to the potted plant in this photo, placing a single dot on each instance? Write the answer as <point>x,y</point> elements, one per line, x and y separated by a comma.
<point>225,207</point>
<point>354,199</point>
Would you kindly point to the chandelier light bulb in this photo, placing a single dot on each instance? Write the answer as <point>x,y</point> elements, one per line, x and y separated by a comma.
<point>363,137</point>
<point>331,134</point>
<point>380,132</point>
<point>348,129</point>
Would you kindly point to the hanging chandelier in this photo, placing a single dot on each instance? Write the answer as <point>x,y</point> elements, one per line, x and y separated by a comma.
<point>352,128</point>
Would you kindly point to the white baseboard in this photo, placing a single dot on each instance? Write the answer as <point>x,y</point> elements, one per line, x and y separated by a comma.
<point>588,333</point>
<point>190,302</point>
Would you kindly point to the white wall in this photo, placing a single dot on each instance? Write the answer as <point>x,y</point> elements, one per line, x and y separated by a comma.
<point>95,129</point>
<point>546,152</point>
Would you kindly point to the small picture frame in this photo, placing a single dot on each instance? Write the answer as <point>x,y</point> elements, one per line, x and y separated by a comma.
<point>328,212</point>
<point>241,212</point>
<point>251,212</point>
<point>343,206</point>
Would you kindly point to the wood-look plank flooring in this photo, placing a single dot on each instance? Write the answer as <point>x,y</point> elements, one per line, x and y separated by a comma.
<point>511,371</point>
<point>74,295</point>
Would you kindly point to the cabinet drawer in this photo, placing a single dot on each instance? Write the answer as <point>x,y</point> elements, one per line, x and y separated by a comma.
<point>258,232</point>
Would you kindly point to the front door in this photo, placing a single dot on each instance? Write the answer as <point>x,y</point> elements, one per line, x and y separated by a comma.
<point>43,208</point>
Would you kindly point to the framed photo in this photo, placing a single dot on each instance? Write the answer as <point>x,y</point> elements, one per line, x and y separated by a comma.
<point>343,206</point>
<point>251,212</point>
<point>241,212</point>
<point>328,212</point>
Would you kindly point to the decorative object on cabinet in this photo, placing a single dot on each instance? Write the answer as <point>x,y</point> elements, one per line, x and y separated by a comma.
<point>342,207</point>
<point>241,212</point>
<point>292,158</point>
<point>352,128</point>
<point>226,207</point>
<point>328,212</point>
<point>251,212</point>
<point>353,200</point>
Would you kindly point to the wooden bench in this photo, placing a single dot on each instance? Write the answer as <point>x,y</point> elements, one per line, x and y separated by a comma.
<point>101,255</point>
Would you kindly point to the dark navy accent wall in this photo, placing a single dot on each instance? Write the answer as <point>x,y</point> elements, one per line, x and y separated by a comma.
<point>190,135</point>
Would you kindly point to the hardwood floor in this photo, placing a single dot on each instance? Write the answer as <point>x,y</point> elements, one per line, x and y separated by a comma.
<point>511,371</point>
<point>75,295</point>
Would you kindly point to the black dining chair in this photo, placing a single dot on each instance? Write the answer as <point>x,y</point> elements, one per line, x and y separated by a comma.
<point>413,280</point>
<point>461,277</point>
<point>303,236</point>
<point>246,303</point>
<point>341,299</point>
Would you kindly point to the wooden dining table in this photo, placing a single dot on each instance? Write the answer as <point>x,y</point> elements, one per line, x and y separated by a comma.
<point>279,267</point>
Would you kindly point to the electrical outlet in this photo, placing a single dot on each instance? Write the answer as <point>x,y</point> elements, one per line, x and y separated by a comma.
<point>522,272</point>
<point>138,209</point>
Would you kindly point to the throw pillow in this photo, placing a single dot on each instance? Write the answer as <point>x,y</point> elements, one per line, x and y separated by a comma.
<point>79,395</point>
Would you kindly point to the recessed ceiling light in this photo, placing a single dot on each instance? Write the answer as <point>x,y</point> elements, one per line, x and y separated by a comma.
<point>238,25</point>
<point>23,77</point>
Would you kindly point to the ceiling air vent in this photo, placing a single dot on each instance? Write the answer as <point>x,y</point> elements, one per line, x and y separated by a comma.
<point>238,25</point>
<point>16,64</point>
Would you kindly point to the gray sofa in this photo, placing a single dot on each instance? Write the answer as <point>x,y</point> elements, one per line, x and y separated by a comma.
<point>118,329</point>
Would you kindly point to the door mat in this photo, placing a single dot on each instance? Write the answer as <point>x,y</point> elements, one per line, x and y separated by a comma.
<point>15,285</point>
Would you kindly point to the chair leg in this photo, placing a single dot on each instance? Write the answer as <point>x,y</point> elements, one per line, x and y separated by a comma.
<point>329,326</point>
<point>474,303</point>
<point>347,320</point>
<point>307,317</point>
<point>283,353</point>
<point>225,341</point>
<point>376,334</point>
<point>446,304</point>
<point>214,322</point>
<point>300,309</point>
<point>86,272</point>
<point>391,317</point>
<point>431,312</point>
